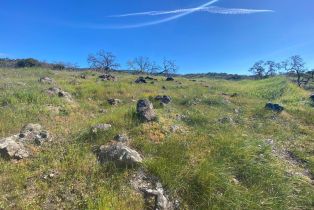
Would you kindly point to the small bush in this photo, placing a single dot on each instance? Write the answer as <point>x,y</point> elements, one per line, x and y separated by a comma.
<point>29,62</point>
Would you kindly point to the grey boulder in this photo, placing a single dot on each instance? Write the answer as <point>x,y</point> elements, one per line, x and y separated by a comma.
<point>46,80</point>
<point>163,99</point>
<point>120,154</point>
<point>14,147</point>
<point>54,91</point>
<point>145,110</point>
<point>11,149</point>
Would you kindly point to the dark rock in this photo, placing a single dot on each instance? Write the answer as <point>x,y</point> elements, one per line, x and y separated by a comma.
<point>140,80</point>
<point>145,110</point>
<point>170,79</point>
<point>83,76</point>
<point>5,104</point>
<point>149,78</point>
<point>114,101</point>
<point>312,97</point>
<point>274,107</point>
<point>107,77</point>
<point>33,133</point>
<point>46,80</point>
<point>120,154</point>
<point>163,99</point>
<point>121,138</point>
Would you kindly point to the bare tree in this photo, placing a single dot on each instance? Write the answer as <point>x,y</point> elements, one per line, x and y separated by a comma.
<point>272,68</point>
<point>258,69</point>
<point>295,65</point>
<point>103,61</point>
<point>142,65</point>
<point>311,73</point>
<point>169,67</point>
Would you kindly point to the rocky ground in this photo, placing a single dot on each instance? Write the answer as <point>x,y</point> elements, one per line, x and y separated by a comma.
<point>73,140</point>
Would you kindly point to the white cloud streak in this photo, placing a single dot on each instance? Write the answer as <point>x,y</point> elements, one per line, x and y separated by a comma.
<point>210,9</point>
<point>156,22</point>
<point>176,14</point>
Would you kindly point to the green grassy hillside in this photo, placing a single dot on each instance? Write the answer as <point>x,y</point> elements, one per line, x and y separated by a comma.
<point>229,153</point>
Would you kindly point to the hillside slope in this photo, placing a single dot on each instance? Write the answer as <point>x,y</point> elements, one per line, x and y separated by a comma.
<point>210,148</point>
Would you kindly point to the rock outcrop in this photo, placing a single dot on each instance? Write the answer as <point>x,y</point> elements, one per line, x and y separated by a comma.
<point>15,147</point>
<point>46,80</point>
<point>107,77</point>
<point>54,91</point>
<point>274,107</point>
<point>170,79</point>
<point>140,80</point>
<point>145,110</point>
<point>120,154</point>
<point>163,99</point>
<point>152,191</point>
<point>114,101</point>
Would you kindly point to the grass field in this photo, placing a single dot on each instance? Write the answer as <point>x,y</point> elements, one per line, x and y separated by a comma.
<point>230,153</point>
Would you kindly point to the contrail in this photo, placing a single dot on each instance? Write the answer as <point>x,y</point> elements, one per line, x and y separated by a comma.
<point>164,20</point>
<point>211,9</point>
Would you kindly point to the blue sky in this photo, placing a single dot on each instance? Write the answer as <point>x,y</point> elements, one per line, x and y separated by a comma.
<point>210,39</point>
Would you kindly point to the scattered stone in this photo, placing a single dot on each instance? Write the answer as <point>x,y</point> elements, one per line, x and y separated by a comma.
<point>50,174</point>
<point>237,111</point>
<point>235,181</point>
<point>312,97</point>
<point>226,119</point>
<point>175,128</point>
<point>274,107</point>
<point>83,76</point>
<point>5,104</point>
<point>120,154</point>
<point>103,111</point>
<point>100,128</point>
<point>170,79</point>
<point>107,77</point>
<point>163,99</point>
<point>152,191</point>
<point>13,147</point>
<point>58,92</point>
<point>145,110</point>
<point>121,138</point>
<point>46,80</point>
<point>140,80</point>
<point>33,133</point>
<point>114,101</point>
<point>181,117</point>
